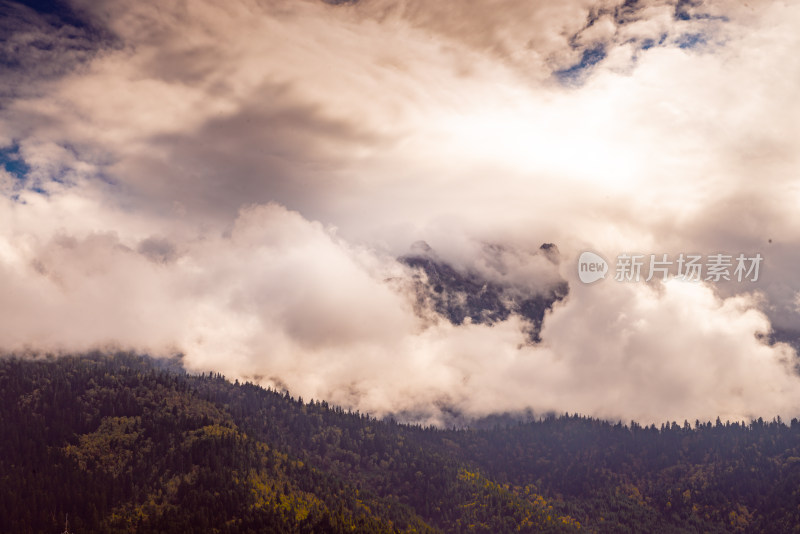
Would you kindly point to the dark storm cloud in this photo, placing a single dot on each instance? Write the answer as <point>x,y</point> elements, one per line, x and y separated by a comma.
<point>270,149</point>
<point>40,41</point>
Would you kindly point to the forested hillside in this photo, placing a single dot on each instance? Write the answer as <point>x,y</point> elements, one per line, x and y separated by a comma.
<point>122,443</point>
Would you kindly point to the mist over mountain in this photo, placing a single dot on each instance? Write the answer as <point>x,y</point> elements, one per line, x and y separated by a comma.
<point>399,266</point>
<point>479,299</point>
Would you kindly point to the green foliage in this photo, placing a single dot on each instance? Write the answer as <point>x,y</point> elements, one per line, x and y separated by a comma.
<point>122,444</point>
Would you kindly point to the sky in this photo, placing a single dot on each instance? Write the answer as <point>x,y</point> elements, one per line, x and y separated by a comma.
<point>234,182</point>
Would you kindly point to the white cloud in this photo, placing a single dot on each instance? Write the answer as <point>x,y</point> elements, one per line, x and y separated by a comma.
<point>196,150</point>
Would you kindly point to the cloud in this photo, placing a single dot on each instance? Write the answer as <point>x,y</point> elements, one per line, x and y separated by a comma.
<point>40,47</point>
<point>235,182</point>
<point>284,301</point>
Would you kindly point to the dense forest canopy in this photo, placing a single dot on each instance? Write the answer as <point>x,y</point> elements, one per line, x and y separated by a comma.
<point>124,443</point>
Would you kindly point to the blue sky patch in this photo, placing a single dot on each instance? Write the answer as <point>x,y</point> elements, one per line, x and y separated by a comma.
<point>691,40</point>
<point>591,56</point>
<point>13,163</point>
